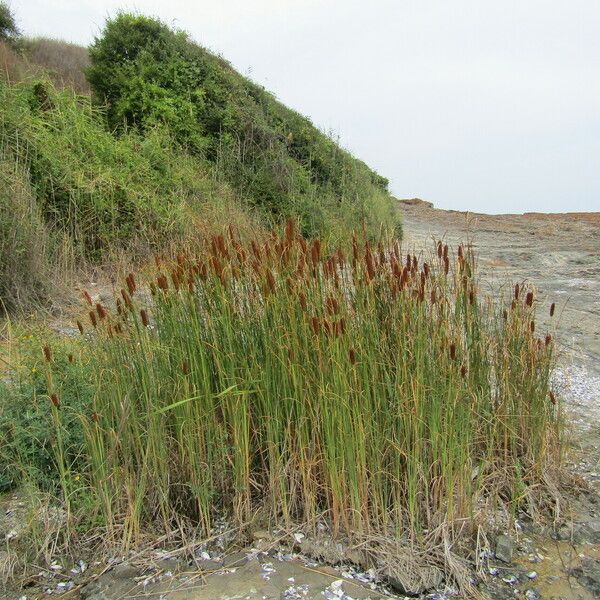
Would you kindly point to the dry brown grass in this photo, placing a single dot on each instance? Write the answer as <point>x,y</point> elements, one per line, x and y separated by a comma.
<point>64,62</point>
<point>12,66</point>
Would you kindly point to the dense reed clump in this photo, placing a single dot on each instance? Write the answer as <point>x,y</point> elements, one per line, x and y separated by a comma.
<point>377,391</point>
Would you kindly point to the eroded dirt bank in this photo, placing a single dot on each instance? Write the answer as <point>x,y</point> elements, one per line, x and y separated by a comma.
<point>560,255</point>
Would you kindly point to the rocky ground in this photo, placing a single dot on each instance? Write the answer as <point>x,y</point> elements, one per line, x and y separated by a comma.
<point>560,255</point>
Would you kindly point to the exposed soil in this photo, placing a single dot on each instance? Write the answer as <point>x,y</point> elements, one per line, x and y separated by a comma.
<point>560,255</point>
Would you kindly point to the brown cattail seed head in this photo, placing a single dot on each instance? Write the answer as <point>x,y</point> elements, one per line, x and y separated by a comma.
<point>162,282</point>
<point>93,319</point>
<point>176,281</point>
<point>315,251</point>
<point>548,340</point>
<point>70,358</point>
<point>95,417</point>
<point>87,298</point>
<point>47,353</point>
<point>101,311</point>
<point>552,309</point>
<point>302,299</point>
<point>552,397</point>
<point>532,326</point>
<point>185,369</point>
<point>352,355</point>
<point>315,325</point>
<point>463,371</point>
<point>529,299</point>
<point>439,249</point>
<point>471,297</point>
<point>54,400</point>
<point>80,327</point>
<point>290,231</point>
<point>332,305</point>
<point>505,314</point>
<point>130,280</point>
<point>145,319</point>
<point>126,298</point>
<point>452,351</point>
<point>517,291</point>
<point>446,264</point>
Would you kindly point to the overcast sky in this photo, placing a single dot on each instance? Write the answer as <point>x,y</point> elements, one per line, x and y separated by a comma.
<point>472,104</point>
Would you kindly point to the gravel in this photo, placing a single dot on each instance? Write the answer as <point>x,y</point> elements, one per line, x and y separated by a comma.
<point>581,392</point>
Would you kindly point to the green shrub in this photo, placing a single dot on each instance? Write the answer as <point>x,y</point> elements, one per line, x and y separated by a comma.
<point>9,31</point>
<point>146,74</point>
<point>28,434</point>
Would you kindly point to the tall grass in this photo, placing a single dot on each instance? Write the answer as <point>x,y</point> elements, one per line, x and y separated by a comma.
<point>383,392</point>
<point>31,255</point>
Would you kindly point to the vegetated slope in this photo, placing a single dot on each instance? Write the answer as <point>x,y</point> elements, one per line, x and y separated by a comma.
<point>64,62</point>
<point>72,191</point>
<point>172,137</point>
<point>147,73</point>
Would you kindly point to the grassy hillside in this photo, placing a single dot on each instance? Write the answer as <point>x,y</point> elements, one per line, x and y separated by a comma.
<point>163,142</point>
<point>146,73</point>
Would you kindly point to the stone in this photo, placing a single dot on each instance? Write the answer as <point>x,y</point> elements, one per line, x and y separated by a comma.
<point>429,578</point>
<point>261,534</point>
<point>210,565</point>
<point>504,549</point>
<point>96,590</point>
<point>237,559</point>
<point>124,571</point>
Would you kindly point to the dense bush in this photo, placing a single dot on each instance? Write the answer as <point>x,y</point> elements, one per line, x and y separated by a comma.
<point>148,74</point>
<point>28,435</point>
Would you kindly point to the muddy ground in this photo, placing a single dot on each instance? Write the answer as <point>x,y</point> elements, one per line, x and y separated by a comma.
<point>560,255</point>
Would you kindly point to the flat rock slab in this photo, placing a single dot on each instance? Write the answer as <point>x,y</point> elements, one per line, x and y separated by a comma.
<point>273,580</point>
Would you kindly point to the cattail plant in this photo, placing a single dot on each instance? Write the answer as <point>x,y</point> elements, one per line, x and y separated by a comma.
<point>285,378</point>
